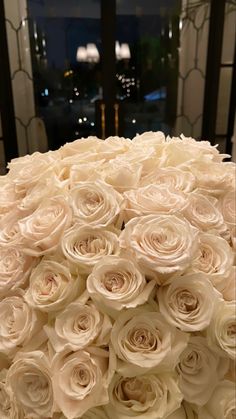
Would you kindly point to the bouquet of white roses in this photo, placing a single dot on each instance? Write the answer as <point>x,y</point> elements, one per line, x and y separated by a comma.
<point>117,286</point>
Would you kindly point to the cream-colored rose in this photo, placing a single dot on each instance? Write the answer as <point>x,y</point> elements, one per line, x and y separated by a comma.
<point>122,175</point>
<point>227,206</point>
<point>78,326</point>
<point>40,191</point>
<point>221,333</point>
<point>149,138</point>
<point>8,406</point>
<point>142,339</point>
<point>83,146</point>
<point>8,196</point>
<point>213,178</point>
<point>171,177</point>
<point>85,245</point>
<point>84,171</point>
<point>147,396</point>
<point>95,203</point>
<point>199,369</point>
<point>144,156</point>
<point>19,325</point>
<point>95,413</point>
<point>229,290</point>
<point>80,380</point>
<point>10,234</point>
<point>113,147</point>
<point>201,213</point>
<point>186,411</point>
<point>160,244</point>
<point>28,170</point>
<point>42,230</point>
<point>29,379</point>
<point>52,286</point>
<point>188,302</point>
<point>116,283</point>
<point>187,148</point>
<point>152,199</point>
<point>214,258</point>
<point>222,404</point>
<point>15,268</point>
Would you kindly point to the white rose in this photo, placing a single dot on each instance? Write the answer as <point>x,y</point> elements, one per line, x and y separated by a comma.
<point>227,206</point>
<point>85,245</point>
<point>95,413</point>
<point>222,404</point>
<point>80,381</point>
<point>81,147</point>
<point>144,156</point>
<point>40,191</point>
<point>29,378</point>
<point>213,178</point>
<point>52,286</point>
<point>122,175</point>
<point>42,230</point>
<point>113,147</point>
<point>8,406</point>
<point>215,258</point>
<point>10,234</point>
<point>201,213</point>
<point>95,203</point>
<point>142,340</point>
<point>222,331</point>
<point>153,199</point>
<point>15,268</point>
<point>160,244</point>
<point>200,369</point>
<point>28,170</point>
<point>149,138</point>
<point>229,290</point>
<point>19,324</point>
<point>147,396</point>
<point>179,150</point>
<point>172,177</point>
<point>78,326</point>
<point>186,411</point>
<point>188,302</point>
<point>116,283</point>
<point>8,196</point>
<point>84,171</point>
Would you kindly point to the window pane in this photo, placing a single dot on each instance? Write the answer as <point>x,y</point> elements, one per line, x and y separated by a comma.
<point>161,61</point>
<point>65,50</point>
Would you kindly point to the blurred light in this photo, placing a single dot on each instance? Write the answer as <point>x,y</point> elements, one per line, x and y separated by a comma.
<point>133,121</point>
<point>180,24</point>
<point>92,124</point>
<point>68,73</point>
<point>117,48</point>
<point>76,132</point>
<point>81,54</point>
<point>125,52</point>
<point>80,120</point>
<point>46,92</point>
<point>77,94</point>
<point>70,101</point>
<point>170,31</point>
<point>75,88</point>
<point>84,118</point>
<point>92,53</point>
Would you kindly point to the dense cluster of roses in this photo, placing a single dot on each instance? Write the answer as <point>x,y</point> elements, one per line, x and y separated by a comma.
<point>117,287</point>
